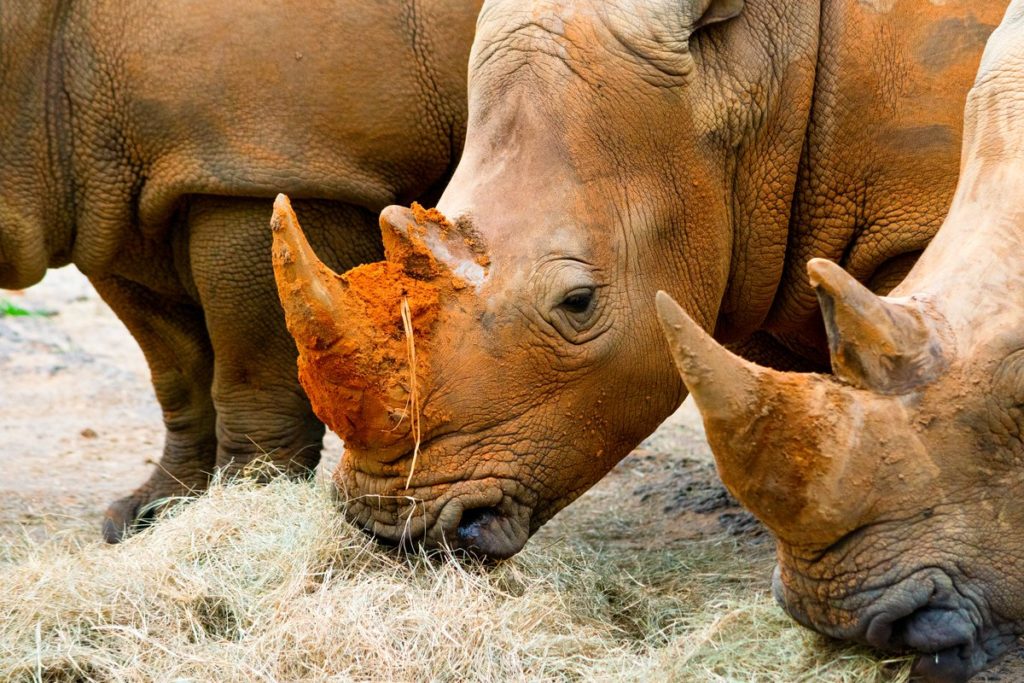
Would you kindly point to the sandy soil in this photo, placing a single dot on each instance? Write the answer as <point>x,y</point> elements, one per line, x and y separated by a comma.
<point>79,427</point>
<point>78,422</point>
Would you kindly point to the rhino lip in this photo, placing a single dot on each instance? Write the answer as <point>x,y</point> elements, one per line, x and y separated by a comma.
<point>948,645</point>
<point>487,533</point>
<point>479,534</point>
<point>475,516</point>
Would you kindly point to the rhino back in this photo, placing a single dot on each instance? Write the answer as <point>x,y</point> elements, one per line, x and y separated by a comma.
<point>317,99</point>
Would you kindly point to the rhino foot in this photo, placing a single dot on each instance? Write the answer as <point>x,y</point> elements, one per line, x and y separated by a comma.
<point>135,512</point>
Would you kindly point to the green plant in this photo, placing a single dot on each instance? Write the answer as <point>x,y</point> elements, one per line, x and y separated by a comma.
<point>10,309</point>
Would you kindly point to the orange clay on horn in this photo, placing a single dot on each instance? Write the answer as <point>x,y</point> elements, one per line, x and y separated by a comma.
<point>359,385</point>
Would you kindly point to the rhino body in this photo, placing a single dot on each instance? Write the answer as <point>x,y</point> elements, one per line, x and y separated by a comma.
<point>142,142</point>
<point>894,487</point>
<point>709,148</point>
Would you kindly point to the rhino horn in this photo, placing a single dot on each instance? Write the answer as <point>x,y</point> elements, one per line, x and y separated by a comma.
<point>319,311</point>
<point>427,246</point>
<point>772,434</point>
<point>353,330</point>
<point>308,289</point>
<point>400,232</point>
<point>879,344</point>
<point>721,382</point>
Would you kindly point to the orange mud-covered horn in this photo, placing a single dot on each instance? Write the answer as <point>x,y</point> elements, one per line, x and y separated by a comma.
<point>779,439</point>
<point>308,288</point>
<point>343,327</point>
<point>353,330</point>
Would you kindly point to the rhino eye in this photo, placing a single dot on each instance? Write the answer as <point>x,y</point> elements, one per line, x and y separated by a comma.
<point>578,301</point>
<point>578,313</point>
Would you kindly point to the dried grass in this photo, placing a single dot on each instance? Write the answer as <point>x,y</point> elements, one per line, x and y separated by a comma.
<point>267,583</point>
<point>414,395</point>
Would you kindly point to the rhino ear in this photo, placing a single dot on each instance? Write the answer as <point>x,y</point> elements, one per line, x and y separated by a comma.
<point>710,12</point>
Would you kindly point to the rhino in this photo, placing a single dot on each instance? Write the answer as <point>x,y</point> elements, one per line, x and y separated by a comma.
<point>893,486</point>
<point>507,352</point>
<point>142,142</point>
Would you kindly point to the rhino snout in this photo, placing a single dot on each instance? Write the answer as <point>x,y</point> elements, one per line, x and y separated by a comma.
<point>924,614</point>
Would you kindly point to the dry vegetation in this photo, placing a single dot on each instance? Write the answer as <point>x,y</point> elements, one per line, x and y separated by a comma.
<point>267,583</point>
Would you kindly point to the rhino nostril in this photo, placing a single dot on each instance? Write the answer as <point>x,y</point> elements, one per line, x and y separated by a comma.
<point>474,521</point>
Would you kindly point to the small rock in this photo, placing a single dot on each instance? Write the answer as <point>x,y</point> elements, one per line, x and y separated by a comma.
<point>89,433</point>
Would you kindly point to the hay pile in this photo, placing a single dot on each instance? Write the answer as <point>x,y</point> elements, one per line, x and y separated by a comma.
<point>269,584</point>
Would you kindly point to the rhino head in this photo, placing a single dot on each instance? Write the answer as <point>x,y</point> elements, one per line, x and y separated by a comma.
<point>539,359</point>
<point>894,486</point>
<point>432,376</point>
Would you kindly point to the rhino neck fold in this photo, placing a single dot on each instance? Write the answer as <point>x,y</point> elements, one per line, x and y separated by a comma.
<point>36,216</point>
<point>758,268</point>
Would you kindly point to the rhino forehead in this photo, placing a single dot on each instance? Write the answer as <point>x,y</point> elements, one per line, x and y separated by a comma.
<point>509,35</point>
<point>582,35</point>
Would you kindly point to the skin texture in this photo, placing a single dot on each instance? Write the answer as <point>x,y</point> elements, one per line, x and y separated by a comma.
<point>705,148</point>
<point>893,487</point>
<point>142,141</point>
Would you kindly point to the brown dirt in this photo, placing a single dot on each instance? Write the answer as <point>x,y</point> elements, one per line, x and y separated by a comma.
<point>79,427</point>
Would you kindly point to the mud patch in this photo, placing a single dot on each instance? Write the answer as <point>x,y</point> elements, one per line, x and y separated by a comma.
<point>688,493</point>
<point>692,487</point>
<point>697,489</point>
<point>354,343</point>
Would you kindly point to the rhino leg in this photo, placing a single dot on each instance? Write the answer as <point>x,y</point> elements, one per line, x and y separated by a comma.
<point>262,412</point>
<point>173,338</point>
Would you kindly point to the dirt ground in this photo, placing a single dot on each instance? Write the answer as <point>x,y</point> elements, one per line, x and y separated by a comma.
<point>79,427</point>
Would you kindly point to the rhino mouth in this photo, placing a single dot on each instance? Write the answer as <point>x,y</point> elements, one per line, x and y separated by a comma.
<point>487,517</point>
<point>490,533</point>
<point>924,614</point>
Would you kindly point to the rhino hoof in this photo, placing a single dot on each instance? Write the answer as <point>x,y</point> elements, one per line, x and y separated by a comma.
<point>127,516</point>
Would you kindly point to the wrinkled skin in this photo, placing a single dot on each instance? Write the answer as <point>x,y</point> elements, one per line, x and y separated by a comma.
<point>894,487</point>
<point>708,148</point>
<point>142,141</point>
